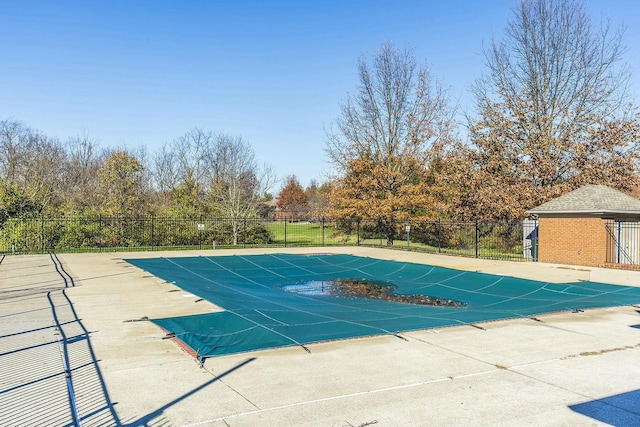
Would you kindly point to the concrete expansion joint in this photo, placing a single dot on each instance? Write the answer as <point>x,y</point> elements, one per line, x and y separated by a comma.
<point>245,398</point>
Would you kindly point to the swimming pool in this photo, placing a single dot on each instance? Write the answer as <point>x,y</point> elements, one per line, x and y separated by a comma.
<point>261,313</point>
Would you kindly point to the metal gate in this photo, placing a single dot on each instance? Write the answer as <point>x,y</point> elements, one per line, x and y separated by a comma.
<point>530,239</point>
<point>623,243</point>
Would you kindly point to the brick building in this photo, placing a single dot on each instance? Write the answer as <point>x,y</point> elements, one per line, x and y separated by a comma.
<point>594,225</point>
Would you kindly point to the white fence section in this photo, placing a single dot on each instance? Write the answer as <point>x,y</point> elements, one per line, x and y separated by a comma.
<point>624,242</point>
<point>530,239</point>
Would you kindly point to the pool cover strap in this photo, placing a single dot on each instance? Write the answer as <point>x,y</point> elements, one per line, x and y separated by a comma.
<point>260,314</point>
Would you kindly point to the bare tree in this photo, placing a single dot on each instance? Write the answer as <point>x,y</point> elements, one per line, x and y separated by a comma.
<point>191,153</point>
<point>165,174</point>
<point>548,109</point>
<point>182,170</point>
<point>553,71</point>
<point>43,172</point>
<point>14,137</point>
<point>30,160</point>
<point>238,183</point>
<point>385,134</point>
<point>14,200</point>
<point>80,173</point>
<point>399,111</point>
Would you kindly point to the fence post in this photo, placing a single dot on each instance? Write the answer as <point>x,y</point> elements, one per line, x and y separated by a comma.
<point>100,232</point>
<point>153,228</point>
<point>244,233</point>
<point>618,245</point>
<point>285,231</point>
<point>380,229</point>
<point>323,231</point>
<point>408,229</point>
<point>477,236</point>
<point>121,240</point>
<point>42,230</point>
<point>439,235</point>
<point>358,231</point>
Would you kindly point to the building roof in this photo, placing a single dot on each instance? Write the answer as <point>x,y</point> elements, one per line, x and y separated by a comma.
<point>591,199</point>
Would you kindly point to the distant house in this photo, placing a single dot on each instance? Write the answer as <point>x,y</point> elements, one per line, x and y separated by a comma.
<point>278,213</point>
<point>594,225</point>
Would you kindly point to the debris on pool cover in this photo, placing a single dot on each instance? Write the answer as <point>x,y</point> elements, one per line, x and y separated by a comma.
<point>259,314</point>
<point>362,288</point>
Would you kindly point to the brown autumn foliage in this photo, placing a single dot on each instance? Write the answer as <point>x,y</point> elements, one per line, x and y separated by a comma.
<point>501,178</point>
<point>386,132</point>
<point>381,190</point>
<point>292,198</point>
<point>552,115</point>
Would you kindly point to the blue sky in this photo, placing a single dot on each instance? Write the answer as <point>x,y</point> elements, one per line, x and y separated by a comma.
<point>141,73</point>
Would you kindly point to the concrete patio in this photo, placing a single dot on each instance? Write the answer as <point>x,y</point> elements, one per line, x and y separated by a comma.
<point>71,323</point>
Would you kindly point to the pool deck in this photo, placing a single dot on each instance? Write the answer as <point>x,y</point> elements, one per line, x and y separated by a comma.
<point>563,369</point>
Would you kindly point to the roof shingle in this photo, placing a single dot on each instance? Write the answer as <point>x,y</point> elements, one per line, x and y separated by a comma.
<point>591,199</point>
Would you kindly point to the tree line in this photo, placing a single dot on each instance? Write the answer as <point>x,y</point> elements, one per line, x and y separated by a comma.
<point>552,112</point>
<point>198,173</point>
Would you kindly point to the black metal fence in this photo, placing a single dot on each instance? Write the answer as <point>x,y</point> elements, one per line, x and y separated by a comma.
<point>623,242</point>
<point>491,240</point>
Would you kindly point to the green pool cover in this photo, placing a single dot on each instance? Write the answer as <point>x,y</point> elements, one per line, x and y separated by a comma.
<point>261,314</point>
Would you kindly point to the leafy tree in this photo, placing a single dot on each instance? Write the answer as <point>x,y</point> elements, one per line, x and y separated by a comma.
<point>121,189</point>
<point>552,113</point>
<point>293,199</point>
<point>385,134</point>
<point>30,160</point>
<point>365,188</point>
<point>14,202</point>
<point>318,197</point>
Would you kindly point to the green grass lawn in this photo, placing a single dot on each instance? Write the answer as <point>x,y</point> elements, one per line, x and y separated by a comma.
<point>281,234</point>
<point>308,234</point>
